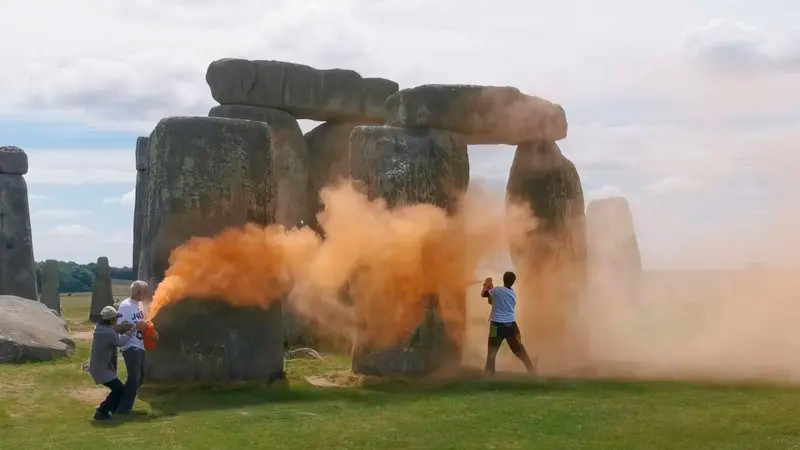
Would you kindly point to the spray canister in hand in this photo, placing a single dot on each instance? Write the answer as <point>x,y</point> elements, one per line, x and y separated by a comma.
<point>150,337</point>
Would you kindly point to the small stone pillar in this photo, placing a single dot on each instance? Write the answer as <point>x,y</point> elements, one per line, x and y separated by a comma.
<point>102,294</point>
<point>50,296</point>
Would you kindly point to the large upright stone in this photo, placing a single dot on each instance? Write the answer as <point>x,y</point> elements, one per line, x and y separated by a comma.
<point>290,156</point>
<point>205,175</point>
<point>483,114</point>
<point>142,161</point>
<point>291,170</point>
<point>551,258</point>
<point>50,296</point>
<point>102,295</point>
<point>405,167</point>
<point>305,92</point>
<point>329,160</point>
<point>409,166</point>
<point>233,343</point>
<point>615,265</point>
<point>17,266</point>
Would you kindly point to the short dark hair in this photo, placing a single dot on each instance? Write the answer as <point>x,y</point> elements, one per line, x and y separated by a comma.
<point>509,278</point>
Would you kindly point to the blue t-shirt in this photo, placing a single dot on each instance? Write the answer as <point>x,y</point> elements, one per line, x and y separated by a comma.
<point>503,302</point>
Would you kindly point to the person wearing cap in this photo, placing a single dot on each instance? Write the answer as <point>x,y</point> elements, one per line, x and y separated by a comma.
<point>103,359</point>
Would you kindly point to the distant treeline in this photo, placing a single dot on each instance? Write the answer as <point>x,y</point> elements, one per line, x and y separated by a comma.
<point>74,277</point>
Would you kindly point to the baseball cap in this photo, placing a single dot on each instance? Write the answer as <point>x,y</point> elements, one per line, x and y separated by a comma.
<point>109,312</point>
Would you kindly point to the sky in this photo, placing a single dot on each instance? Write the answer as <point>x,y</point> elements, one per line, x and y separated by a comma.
<point>689,109</point>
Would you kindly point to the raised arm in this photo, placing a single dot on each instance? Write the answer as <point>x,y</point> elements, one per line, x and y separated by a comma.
<point>487,286</point>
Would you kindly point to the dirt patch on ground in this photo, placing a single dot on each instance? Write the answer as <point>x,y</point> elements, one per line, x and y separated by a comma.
<point>81,335</point>
<point>93,395</point>
<point>341,379</point>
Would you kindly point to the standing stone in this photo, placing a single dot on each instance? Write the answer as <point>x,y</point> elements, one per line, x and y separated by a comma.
<point>102,295</point>
<point>291,170</point>
<point>142,161</point>
<point>50,296</point>
<point>482,114</point>
<point>303,91</point>
<point>551,259</point>
<point>329,160</point>
<point>205,175</point>
<point>17,266</point>
<point>615,265</point>
<point>405,167</point>
<point>290,156</point>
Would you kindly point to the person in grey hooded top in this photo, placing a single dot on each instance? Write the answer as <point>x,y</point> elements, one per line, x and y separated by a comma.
<point>103,360</point>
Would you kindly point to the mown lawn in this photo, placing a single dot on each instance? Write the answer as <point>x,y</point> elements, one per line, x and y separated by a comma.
<point>49,405</point>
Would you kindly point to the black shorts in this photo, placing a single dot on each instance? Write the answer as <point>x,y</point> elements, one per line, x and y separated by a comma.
<point>500,331</point>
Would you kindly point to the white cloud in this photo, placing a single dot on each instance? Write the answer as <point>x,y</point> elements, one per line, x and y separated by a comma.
<point>62,213</point>
<point>70,231</point>
<point>77,167</point>
<point>736,46</point>
<point>126,199</point>
<point>690,100</point>
<point>672,185</point>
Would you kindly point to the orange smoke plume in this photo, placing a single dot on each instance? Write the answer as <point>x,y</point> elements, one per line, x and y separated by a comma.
<point>389,261</point>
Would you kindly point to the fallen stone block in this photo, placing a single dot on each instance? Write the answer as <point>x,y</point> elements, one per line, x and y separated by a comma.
<point>29,331</point>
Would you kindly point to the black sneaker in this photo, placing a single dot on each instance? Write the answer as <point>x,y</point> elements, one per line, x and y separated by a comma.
<point>99,415</point>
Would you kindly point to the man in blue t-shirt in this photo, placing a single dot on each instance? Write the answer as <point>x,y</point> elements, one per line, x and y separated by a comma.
<point>501,321</point>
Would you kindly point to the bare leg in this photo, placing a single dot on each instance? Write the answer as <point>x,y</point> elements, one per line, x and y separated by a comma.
<point>515,342</point>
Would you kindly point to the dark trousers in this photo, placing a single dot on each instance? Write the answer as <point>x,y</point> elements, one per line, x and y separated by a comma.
<point>509,332</point>
<point>134,362</point>
<point>113,398</point>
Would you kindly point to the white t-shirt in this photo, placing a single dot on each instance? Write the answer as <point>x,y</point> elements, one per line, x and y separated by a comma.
<point>503,302</point>
<point>132,312</point>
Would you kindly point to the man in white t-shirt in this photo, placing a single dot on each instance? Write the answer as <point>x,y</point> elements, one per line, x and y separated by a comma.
<point>502,324</point>
<point>131,311</point>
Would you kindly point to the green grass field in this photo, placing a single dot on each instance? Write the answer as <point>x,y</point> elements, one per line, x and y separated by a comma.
<point>49,405</point>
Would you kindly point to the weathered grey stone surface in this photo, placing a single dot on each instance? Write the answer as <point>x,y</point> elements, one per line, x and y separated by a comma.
<point>291,169</point>
<point>17,266</point>
<point>551,258</point>
<point>207,174</point>
<point>404,167</point>
<point>13,161</point>
<point>102,295</point>
<point>212,341</point>
<point>29,331</point>
<point>483,114</point>
<point>290,156</point>
<point>142,156</point>
<point>615,265</point>
<point>305,92</point>
<point>142,161</point>
<point>409,166</point>
<point>329,160</point>
<point>50,296</point>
